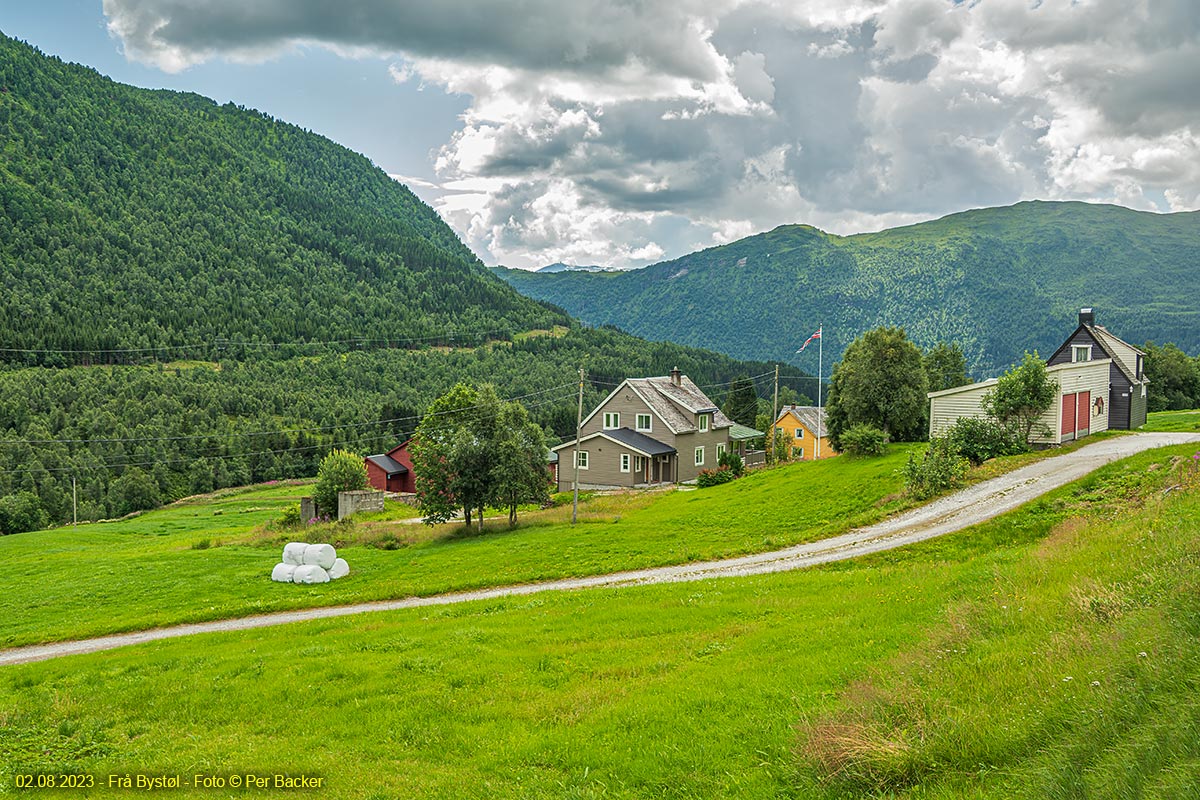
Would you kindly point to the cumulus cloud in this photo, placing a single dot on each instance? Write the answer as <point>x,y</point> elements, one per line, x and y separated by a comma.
<point>621,133</point>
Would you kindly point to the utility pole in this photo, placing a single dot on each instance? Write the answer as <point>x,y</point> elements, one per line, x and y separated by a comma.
<point>578,425</point>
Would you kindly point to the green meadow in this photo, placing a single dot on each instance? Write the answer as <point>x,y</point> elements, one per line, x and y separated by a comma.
<point>1051,653</point>
<point>211,558</point>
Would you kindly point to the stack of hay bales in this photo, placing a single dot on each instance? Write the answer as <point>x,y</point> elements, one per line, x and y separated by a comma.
<point>309,563</point>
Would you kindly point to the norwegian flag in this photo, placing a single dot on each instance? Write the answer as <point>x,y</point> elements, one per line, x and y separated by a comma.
<point>816,335</point>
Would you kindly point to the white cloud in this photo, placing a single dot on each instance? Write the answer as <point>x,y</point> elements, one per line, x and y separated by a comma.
<point>615,134</point>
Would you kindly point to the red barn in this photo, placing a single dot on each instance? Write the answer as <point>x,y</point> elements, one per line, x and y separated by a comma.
<point>392,471</point>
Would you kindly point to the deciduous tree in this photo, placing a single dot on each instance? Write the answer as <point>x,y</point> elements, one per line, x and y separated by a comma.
<point>1021,395</point>
<point>881,382</point>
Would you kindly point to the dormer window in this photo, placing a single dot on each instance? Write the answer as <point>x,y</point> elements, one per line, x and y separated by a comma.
<point>702,422</point>
<point>1081,352</point>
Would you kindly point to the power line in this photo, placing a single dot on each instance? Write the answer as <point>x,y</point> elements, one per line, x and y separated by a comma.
<point>296,449</point>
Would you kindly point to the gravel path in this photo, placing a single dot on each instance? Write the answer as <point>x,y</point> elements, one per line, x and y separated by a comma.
<point>945,515</point>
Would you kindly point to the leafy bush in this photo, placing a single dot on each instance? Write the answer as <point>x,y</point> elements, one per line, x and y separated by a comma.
<point>864,440</point>
<point>21,512</point>
<point>340,471</point>
<point>980,439</point>
<point>291,517</point>
<point>733,461</point>
<point>714,477</point>
<point>940,469</point>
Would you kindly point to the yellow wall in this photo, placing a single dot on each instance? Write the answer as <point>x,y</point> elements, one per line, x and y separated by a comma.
<point>806,446</point>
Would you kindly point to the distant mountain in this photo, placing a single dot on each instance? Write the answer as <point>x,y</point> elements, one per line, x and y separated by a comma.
<point>998,281</point>
<point>558,266</point>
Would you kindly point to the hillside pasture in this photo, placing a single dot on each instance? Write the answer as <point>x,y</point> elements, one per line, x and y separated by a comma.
<point>1044,654</point>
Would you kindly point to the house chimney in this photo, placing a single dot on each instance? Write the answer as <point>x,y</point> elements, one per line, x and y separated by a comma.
<point>1086,317</point>
<point>675,376</point>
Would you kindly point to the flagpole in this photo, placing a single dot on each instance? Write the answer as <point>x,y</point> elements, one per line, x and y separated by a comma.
<point>820,365</point>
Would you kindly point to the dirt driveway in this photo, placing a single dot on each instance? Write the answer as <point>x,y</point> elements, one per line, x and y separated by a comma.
<point>945,515</point>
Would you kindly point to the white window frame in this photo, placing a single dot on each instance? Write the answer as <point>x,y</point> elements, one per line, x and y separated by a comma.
<point>624,462</point>
<point>637,423</point>
<point>720,451</point>
<point>702,423</point>
<point>612,420</point>
<point>799,433</point>
<point>1078,350</point>
<point>699,456</point>
<point>581,458</point>
<point>639,464</point>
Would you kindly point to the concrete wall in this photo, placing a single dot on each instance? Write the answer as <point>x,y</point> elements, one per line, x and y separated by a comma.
<point>353,502</point>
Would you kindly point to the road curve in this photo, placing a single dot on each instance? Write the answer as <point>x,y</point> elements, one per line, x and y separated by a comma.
<point>947,514</point>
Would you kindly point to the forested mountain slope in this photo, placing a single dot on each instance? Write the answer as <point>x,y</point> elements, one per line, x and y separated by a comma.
<point>195,297</point>
<point>997,281</point>
<point>139,219</point>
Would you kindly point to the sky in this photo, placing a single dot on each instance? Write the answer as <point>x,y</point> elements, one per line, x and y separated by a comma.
<point>625,132</point>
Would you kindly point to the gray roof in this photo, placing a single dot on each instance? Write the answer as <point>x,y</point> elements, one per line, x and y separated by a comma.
<point>677,405</point>
<point>631,439</point>
<point>388,464</point>
<point>1120,351</point>
<point>810,417</point>
<point>640,441</point>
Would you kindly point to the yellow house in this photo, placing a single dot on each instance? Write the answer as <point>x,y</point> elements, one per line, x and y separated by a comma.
<point>799,426</point>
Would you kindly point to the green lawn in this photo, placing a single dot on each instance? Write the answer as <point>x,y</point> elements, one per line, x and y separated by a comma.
<point>1172,421</point>
<point>201,561</point>
<point>1050,653</point>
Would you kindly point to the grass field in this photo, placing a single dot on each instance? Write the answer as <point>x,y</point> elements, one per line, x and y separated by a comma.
<point>1173,421</point>
<point>212,559</point>
<point>1049,653</point>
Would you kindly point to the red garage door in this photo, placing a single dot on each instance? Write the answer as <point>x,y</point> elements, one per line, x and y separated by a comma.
<point>1068,417</point>
<point>1083,413</point>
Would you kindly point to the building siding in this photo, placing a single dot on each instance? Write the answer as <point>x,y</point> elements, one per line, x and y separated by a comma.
<point>966,401</point>
<point>946,408</point>
<point>627,403</point>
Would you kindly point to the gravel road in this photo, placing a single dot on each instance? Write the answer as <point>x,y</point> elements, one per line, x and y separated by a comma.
<point>944,515</point>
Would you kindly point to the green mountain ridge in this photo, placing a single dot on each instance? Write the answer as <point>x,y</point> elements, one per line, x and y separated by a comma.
<point>139,218</point>
<point>997,281</point>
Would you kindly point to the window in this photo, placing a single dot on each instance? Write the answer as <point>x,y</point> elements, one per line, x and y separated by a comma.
<point>639,463</point>
<point>581,458</point>
<point>699,456</point>
<point>702,422</point>
<point>799,433</point>
<point>779,431</point>
<point>1081,352</point>
<point>797,452</point>
<point>720,451</point>
<point>642,423</point>
<point>624,462</point>
<point>611,420</point>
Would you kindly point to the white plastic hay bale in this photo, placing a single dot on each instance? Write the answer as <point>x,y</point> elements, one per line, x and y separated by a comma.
<point>293,553</point>
<point>340,569</point>
<point>322,555</point>
<point>283,573</point>
<point>310,573</point>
